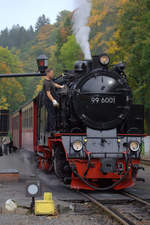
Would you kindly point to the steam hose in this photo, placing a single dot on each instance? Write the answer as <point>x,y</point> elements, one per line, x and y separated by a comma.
<point>101,189</point>
<point>89,159</point>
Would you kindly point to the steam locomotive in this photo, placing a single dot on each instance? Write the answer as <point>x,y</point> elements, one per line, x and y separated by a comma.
<point>99,131</point>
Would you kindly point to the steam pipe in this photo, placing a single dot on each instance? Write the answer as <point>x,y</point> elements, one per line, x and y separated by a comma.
<point>22,75</point>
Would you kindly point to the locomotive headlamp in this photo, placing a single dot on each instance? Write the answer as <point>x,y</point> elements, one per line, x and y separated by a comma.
<point>42,62</point>
<point>77,146</point>
<point>118,140</point>
<point>134,146</point>
<point>85,140</point>
<point>104,59</point>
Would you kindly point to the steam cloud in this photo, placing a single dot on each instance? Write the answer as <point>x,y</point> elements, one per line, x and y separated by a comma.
<point>80,27</point>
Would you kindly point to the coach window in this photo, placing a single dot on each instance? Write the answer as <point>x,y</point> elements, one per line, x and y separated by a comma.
<point>28,116</point>
<point>26,119</point>
<point>16,122</point>
<point>22,120</point>
<point>31,118</point>
<point>27,111</point>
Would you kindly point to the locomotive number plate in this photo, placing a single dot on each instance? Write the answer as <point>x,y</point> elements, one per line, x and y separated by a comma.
<point>103,100</point>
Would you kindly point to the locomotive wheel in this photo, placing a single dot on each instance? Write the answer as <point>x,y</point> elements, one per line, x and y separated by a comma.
<point>59,162</point>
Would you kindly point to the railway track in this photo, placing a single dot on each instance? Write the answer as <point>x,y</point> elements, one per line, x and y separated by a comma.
<point>135,211</point>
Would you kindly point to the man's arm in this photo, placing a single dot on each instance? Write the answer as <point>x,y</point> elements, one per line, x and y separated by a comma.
<point>55,103</point>
<point>58,85</point>
<point>50,96</point>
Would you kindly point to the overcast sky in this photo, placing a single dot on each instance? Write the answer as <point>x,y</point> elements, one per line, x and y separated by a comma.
<point>26,12</point>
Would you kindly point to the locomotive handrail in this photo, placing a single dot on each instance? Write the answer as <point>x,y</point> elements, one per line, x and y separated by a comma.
<point>120,136</point>
<point>143,135</point>
<point>93,93</point>
<point>105,153</point>
<point>89,137</point>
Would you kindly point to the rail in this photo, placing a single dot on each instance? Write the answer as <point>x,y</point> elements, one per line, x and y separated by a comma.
<point>114,213</point>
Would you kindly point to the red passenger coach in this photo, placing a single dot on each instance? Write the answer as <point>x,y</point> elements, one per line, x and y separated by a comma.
<point>24,127</point>
<point>15,129</point>
<point>27,127</point>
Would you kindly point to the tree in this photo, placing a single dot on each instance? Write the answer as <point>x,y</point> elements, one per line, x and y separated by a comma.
<point>42,20</point>
<point>63,29</point>
<point>103,23</point>
<point>3,103</point>
<point>27,45</point>
<point>4,37</point>
<point>16,37</point>
<point>133,45</point>
<point>70,52</point>
<point>11,92</point>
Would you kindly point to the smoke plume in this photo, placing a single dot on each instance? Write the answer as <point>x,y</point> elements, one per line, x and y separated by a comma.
<point>80,27</point>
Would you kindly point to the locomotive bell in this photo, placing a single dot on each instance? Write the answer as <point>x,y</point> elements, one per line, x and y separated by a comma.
<point>120,67</point>
<point>42,62</point>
